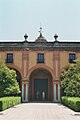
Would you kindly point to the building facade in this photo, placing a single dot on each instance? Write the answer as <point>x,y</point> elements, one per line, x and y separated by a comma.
<point>38,65</point>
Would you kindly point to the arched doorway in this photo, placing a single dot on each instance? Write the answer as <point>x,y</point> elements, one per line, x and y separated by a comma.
<point>18,77</point>
<point>40,87</point>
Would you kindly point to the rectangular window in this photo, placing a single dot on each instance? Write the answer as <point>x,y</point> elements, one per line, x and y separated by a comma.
<point>72,57</point>
<point>9,58</point>
<point>40,58</point>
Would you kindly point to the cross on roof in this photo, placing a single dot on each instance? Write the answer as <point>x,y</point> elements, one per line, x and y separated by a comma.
<point>40,31</point>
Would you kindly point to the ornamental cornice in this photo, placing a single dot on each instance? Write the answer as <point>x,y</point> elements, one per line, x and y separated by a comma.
<point>12,46</point>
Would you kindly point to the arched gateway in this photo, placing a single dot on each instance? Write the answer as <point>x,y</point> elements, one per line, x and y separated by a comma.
<point>39,65</point>
<point>40,86</point>
<point>18,73</point>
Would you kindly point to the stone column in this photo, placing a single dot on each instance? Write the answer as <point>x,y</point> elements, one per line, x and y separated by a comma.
<point>25,87</point>
<point>25,82</point>
<point>59,93</point>
<point>56,92</point>
<point>56,81</point>
<point>22,92</point>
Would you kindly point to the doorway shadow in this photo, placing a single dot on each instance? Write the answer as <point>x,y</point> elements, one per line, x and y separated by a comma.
<point>40,102</point>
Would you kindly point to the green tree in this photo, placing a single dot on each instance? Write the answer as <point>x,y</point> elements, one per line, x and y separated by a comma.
<point>70,80</point>
<point>8,82</point>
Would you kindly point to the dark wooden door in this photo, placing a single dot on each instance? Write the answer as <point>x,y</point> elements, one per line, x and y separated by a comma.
<point>41,89</point>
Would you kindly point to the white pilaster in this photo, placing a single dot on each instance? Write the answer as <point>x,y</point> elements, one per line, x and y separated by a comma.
<point>27,92</point>
<point>58,92</point>
<point>22,92</point>
<point>54,92</point>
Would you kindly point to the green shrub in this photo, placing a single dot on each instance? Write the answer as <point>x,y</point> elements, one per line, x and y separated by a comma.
<point>7,102</point>
<point>72,102</point>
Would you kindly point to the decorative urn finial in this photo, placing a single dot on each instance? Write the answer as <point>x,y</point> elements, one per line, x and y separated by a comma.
<point>55,36</point>
<point>25,37</point>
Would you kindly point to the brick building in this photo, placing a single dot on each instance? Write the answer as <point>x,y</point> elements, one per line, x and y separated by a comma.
<point>38,65</point>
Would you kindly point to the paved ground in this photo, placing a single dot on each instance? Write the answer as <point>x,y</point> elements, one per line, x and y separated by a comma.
<point>39,111</point>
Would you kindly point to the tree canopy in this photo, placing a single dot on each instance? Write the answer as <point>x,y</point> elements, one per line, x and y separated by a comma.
<point>70,80</point>
<point>8,82</point>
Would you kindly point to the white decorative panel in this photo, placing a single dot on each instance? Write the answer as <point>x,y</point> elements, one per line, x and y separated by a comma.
<point>54,92</point>
<point>59,92</point>
<point>22,92</point>
<point>26,92</point>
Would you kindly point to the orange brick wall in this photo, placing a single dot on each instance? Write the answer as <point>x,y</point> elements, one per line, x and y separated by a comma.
<point>2,56</point>
<point>63,59</point>
<point>33,58</point>
<point>49,59</point>
<point>18,59</point>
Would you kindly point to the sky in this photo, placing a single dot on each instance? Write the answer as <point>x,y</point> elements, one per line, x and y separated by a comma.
<point>18,17</point>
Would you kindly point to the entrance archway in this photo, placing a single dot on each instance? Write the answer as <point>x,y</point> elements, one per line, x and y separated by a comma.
<point>40,87</point>
<point>18,77</point>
